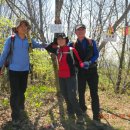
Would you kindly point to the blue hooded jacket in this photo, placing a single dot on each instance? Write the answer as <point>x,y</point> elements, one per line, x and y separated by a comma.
<point>20,57</point>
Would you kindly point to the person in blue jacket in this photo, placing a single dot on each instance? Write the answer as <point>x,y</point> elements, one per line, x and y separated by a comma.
<point>89,54</point>
<point>18,65</point>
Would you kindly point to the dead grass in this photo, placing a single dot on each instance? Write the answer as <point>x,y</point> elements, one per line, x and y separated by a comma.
<point>115,109</point>
<point>49,113</point>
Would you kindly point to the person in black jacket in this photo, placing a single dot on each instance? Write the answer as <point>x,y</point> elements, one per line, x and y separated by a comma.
<point>88,53</point>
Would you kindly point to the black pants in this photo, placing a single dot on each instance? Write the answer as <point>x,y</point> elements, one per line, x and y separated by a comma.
<point>91,77</point>
<point>68,90</point>
<point>18,85</point>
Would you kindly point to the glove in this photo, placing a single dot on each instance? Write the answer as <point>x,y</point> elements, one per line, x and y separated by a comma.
<point>87,64</point>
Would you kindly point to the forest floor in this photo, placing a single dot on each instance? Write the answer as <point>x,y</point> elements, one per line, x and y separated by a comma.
<point>44,111</point>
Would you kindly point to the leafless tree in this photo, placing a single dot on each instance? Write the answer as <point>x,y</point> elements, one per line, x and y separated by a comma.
<point>38,12</point>
<point>95,14</point>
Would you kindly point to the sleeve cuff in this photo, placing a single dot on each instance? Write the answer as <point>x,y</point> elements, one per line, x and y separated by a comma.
<point>90,62</point>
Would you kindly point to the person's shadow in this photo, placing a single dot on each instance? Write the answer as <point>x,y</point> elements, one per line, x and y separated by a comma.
<point>70,124</point>
<point>23,124</point>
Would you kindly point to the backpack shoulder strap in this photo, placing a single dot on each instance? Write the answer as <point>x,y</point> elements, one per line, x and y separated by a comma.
<point>90,41</point>
<point>12,44</point>
<point>72,55</point>
<point>57,51</point>
<point>69,52</point>
<point>74,44</point>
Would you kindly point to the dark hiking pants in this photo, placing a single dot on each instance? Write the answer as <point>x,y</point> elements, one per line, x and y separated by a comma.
<point>91,77</point>
<point>18,85</point>
<point>68,90</point>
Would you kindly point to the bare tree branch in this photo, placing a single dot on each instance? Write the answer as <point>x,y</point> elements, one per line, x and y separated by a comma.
<point>122,17</point>
<point>103,43</point>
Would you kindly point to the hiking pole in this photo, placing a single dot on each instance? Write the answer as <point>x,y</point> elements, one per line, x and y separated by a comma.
<point>30,50</point>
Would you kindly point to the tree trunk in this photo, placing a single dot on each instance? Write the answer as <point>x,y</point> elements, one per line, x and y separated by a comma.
<point>126,79</point>
<point>58,6</point>
<point>119,77</point>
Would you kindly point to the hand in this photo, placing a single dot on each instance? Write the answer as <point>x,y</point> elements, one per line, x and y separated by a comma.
<point>54,45</point>
<point>82,64</point>
<point>87,64</point>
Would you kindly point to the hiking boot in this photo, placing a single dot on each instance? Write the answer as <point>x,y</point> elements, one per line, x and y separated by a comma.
<point>71,116</point>
<point>23,113</point>
<point>15,116</point>
<point>80,120</point>
<point>15,121</point>
<point>86,117</point>
<point>85,114</point>
<point>97,123</point>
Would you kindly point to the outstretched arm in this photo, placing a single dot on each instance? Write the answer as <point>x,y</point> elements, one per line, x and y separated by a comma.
<point>52,48</point>
<point>38,44</point>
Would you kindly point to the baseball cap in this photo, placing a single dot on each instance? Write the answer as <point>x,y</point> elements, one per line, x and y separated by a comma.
<point>80,26</point>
